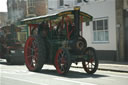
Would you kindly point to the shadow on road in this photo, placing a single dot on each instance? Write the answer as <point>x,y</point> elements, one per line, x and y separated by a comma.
<point>72,74</point>
<point>5,63</point>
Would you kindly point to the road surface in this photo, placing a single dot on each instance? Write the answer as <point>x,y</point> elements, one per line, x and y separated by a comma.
<point>19,75</point>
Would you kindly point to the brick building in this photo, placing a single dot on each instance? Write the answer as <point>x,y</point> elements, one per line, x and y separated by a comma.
<point>36,7</point>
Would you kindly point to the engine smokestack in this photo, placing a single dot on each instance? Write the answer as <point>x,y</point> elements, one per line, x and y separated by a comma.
<point>77,21</point>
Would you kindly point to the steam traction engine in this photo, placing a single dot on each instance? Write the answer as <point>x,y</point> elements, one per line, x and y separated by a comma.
<point>57,39</point>
<point>10,48</point>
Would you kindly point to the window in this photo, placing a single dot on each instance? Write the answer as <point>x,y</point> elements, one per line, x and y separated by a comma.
<point>100,30</point>
<point>79,1</point>
<point>22,36</point>
<point>31,3</point>
<point>61,2</point>
<point>31,6</point>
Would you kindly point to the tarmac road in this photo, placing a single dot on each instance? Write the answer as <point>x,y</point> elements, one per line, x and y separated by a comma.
<point>19,75</point>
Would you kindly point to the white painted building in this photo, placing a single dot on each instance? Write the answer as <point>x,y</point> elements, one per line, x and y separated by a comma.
<point>102,33</point>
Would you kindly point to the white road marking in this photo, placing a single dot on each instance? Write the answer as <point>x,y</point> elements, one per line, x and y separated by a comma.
<point>73,81</point>
<point>28,81</point>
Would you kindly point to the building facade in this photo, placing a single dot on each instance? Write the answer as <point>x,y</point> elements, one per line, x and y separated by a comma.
<point>125,19</point>
<point>20,9</point>
<point>107,33</point>
<point>122,29</point>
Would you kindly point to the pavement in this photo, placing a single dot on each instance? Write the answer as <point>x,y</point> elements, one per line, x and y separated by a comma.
<point>109,66</point>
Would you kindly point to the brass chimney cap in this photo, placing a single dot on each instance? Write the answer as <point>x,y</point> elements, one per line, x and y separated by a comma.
<point>77,8</point>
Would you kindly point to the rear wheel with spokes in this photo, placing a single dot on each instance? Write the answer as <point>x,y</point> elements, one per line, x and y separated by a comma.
<point>91,64</point>
<point>34,53</point>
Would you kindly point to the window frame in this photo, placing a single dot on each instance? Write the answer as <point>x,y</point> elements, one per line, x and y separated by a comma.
<point>104,31</point>
<point>31,4</point>
<point>61,4</point>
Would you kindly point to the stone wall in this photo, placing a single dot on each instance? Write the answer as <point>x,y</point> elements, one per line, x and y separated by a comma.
<point>120,30</point>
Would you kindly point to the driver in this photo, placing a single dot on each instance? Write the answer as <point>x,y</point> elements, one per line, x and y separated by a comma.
<point>43,29</point>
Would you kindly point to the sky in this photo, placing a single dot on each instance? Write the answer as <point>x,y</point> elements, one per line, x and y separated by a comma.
<point>3,5</point>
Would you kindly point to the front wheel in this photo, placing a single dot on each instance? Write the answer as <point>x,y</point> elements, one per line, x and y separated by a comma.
<point>91,64</point>
<point>62,61</point>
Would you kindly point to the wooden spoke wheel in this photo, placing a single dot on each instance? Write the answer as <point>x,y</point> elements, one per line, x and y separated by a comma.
<point>62,61</point>
<point>91,64</point>
<point>34,53</point>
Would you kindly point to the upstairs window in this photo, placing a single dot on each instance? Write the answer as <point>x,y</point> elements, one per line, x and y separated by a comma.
<point>79,1</point>
<point>61,2</point>
<point>31,6</point>
<point>31,3</point>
